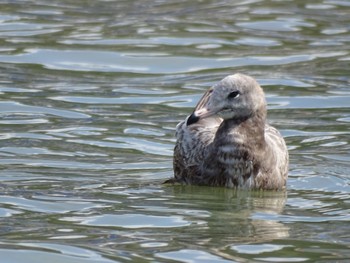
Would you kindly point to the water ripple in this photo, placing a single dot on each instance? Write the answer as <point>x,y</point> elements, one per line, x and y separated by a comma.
<point>91,92</point>
<point>105,61</point>
<point>11,107</point>
<point>133,221</point>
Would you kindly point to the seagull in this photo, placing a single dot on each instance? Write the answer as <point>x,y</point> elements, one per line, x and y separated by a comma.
<point>227,142</point>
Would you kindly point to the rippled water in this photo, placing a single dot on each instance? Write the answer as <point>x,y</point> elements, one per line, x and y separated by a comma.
<point>91,92</point>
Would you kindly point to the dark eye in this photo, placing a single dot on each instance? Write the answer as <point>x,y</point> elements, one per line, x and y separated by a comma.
<point>233,94</point>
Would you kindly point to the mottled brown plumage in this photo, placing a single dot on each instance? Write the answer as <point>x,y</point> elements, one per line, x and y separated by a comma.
<point>227,142</point>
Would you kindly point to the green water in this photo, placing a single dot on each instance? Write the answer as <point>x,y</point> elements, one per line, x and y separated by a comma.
<point>91,92</point>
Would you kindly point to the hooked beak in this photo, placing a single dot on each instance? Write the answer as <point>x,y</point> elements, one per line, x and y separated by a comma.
<point>201,111</point>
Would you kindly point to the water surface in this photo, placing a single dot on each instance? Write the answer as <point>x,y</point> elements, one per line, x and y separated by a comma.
<point>91,92</point>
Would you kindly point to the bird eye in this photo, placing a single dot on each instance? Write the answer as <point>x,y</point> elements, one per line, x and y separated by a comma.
<point>233,94</point>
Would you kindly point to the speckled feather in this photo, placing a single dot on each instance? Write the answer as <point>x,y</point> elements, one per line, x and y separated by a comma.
<point>227,142</point>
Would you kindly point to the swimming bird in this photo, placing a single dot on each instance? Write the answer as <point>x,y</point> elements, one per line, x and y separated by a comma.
<point>226,141</point>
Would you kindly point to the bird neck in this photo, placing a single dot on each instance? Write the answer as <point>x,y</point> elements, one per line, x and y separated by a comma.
<point>241,131</point>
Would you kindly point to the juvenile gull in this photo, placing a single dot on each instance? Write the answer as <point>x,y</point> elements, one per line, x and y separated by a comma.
<point>226,141</point>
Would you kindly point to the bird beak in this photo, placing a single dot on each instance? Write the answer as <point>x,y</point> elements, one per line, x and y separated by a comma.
<point>201,111</point>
